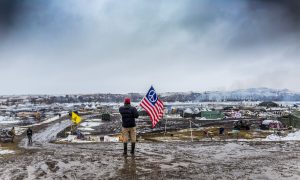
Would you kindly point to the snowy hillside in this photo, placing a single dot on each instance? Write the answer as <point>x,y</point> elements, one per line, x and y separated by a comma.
<point>252,94</point>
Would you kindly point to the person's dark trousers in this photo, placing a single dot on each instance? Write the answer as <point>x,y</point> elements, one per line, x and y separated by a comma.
<point>132,148</point>
<point>125,149</point>
<point>29,140</point>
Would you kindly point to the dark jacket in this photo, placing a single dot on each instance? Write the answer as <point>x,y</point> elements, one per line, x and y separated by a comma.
<point>128,114</point>
<point>29,132</point>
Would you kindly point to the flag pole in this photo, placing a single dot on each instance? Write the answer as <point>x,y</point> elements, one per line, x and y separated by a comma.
<point>191,130</point>
<point>166,126</point>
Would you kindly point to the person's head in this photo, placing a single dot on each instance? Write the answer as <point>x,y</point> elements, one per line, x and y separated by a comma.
<point>127,101</point>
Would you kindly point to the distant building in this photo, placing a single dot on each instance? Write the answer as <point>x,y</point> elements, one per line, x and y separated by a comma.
<point>212,114</point>
<point>268,104</point>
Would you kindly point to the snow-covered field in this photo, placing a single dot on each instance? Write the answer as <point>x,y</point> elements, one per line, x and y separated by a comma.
<point>290,137</point>
<point>89,125</point>
<point>8,120</point>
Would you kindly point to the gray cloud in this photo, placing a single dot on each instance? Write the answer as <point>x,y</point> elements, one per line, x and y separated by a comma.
<point>77,46</point>
<point>8,13</point>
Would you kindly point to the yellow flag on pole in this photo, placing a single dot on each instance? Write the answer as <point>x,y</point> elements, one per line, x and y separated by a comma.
<point>75,118</point>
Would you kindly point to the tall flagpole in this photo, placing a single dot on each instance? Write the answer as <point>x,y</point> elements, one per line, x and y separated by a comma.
<point>191,130</point>
<point>166,127</point>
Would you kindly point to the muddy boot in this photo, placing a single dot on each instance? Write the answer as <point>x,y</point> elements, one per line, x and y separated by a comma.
<point>125,149</point>
<point>132,148</point>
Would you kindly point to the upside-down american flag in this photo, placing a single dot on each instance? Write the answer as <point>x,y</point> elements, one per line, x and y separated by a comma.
<point>153,106</point>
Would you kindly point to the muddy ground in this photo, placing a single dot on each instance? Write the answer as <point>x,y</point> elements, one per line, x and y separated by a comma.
<point>153,160</point>
<point>185,160</point>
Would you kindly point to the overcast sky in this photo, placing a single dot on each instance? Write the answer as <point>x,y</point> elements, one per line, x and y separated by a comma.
<point>117,46</point>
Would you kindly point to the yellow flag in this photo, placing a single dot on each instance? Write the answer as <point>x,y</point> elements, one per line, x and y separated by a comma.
<point>75,118</point>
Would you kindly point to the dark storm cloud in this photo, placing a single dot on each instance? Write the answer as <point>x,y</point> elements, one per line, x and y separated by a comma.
<point>9,10</point>
<point>26,17</point>
<point>288,9</point>
<point>271,20</point>
<point>46,45</point>
<point>247,23</point>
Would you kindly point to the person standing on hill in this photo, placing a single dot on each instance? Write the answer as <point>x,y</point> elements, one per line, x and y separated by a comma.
<point>29,136</point>
<point>129,114</point>
<point>13,134</point>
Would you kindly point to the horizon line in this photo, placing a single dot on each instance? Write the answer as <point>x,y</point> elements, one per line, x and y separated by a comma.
<point>191,91</point>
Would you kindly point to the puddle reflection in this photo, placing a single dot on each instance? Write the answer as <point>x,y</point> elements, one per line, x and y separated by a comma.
<point>129,167</point>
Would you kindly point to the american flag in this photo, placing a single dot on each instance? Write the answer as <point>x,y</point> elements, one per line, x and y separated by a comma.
<point>153,106</point>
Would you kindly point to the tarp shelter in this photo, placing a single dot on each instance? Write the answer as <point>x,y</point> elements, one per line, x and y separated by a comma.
<point>271,124</point>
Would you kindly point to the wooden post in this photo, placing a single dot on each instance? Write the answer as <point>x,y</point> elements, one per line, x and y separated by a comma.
<point>166,127</point>
<point>191,130</point>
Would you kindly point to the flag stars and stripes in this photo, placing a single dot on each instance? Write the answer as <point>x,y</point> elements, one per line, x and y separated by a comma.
<point>153,106</point>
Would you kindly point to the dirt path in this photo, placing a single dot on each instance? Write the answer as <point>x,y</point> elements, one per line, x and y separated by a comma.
<point>44,132</point>
<point>45,135</point>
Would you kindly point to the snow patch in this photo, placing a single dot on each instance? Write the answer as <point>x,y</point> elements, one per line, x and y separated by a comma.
<point>172,116</point>
<point>290,137</point>
<point>189,111</point>
<point>93,120</point>
<point>8,120</point>
<point>111,139</point>
<point>73,139</point>
<point>86,129</point>
<point>5,151</point>
<point>90,124</point>
<point>293,136</point>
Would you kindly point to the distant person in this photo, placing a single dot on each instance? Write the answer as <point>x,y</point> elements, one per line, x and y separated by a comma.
<point>221,131</point>
<point>79,134</point>
<point>128,113</point>
<point>29,136</point>
<point>13,134</point>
